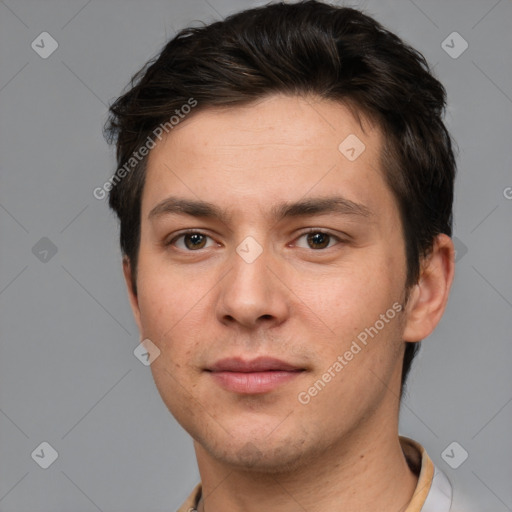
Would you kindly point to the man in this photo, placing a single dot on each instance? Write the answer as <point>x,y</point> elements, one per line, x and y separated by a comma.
<point>284,191</point>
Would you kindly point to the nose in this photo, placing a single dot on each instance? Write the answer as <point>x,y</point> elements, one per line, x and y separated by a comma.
<point>252,294</point>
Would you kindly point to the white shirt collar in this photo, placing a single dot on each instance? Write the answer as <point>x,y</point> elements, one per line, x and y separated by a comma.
<point>439,498</point>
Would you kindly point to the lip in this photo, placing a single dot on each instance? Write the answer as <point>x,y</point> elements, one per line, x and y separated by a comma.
<point>260,364</point>
<point>255,376</point>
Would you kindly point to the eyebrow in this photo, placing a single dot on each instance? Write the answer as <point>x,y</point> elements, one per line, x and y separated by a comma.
<point>306,207</point>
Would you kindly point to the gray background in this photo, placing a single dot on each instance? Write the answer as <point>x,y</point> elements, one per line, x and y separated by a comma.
<point>68,375</point>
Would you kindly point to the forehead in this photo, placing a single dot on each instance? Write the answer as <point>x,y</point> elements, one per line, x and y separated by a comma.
<point>304,121</point>
<point>277,149</point>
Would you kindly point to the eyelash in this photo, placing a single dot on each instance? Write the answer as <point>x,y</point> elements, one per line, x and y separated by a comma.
<point>304,233</point>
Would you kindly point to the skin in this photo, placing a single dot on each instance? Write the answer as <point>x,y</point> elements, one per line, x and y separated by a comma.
<point>295,301</point>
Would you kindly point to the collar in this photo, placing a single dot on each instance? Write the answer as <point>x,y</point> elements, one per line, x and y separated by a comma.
<point>433,491</point>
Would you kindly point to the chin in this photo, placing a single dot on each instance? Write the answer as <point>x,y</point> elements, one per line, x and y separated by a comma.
<point>265,453</point>
<point>275,460</point>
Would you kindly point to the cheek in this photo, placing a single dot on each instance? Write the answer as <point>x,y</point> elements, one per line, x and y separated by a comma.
<point>360,318</point>
<point>170,320</point>
<point>353,294</point>
<point>166,295</point>
<point>173,309</point>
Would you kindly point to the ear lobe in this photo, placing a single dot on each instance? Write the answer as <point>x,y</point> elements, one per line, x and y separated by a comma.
<point>428,298</point>
<point>134,301</point>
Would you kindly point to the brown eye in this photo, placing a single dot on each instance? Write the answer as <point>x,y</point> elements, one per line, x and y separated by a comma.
<point>318,240</point>
<point>194,241</point>
<point>191,241</point>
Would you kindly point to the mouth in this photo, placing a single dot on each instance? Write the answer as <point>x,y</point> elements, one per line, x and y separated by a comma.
<point>255,376</point>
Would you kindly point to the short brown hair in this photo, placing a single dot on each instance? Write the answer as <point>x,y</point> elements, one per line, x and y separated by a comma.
<point>335,53</point>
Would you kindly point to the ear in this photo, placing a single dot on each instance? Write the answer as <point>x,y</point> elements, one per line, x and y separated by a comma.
<point>428,298</point>
<point>134,301</point>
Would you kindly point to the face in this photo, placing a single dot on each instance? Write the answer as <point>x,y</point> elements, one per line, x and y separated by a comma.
<point>277,306</point>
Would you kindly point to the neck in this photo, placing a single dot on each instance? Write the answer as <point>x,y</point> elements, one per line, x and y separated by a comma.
<point>360,472</point>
